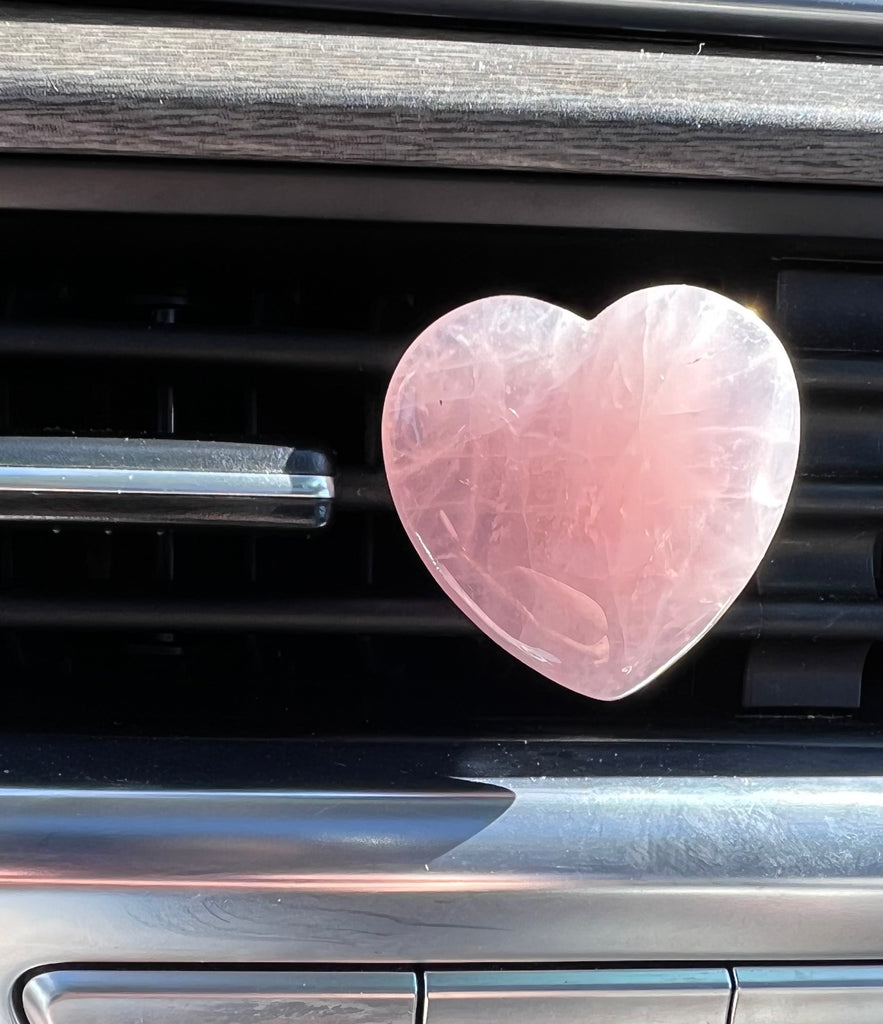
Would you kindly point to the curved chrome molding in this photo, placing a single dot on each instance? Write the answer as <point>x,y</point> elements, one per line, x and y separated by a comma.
<point>128,84</point>
<point>496,869</point>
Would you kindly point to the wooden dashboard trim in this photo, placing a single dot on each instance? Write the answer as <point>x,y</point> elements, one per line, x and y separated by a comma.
<point>277,91</point>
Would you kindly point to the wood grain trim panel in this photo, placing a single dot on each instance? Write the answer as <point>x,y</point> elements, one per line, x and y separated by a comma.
<point>80,86</point>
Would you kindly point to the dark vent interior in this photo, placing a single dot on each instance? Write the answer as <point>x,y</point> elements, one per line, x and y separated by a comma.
<point>287,331</point>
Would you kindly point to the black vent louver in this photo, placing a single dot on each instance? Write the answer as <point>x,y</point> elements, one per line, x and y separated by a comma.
<point>286,332</point>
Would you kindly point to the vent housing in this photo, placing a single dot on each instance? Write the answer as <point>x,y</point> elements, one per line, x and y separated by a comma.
<point>285,332</point>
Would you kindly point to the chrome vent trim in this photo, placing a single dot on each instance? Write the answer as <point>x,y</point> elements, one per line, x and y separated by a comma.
<point>162,481</point>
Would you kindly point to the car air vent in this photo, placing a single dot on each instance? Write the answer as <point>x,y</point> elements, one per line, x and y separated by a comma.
<point>284,333</point>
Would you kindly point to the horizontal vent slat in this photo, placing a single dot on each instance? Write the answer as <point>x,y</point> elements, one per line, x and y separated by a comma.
<point>747,619</point>
<point>341,616</point>
<point>848,377</point>
<point>315,350</point>
<point>324,350</point>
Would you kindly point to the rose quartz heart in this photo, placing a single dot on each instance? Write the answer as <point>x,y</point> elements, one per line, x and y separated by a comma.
<point>593,494</point>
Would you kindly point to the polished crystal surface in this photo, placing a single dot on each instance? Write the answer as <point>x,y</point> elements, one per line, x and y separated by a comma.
<point>593,494</point>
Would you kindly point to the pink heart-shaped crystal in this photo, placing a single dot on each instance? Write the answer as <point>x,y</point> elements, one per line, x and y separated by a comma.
<point>593,494</point>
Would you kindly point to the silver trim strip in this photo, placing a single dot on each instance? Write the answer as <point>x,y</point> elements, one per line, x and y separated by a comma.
<point>161,481</point>
<point>809,995</point>
<point>670,996</point>
<point>60,480</point>
<point>235,997</point>
<point>506,870</point>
